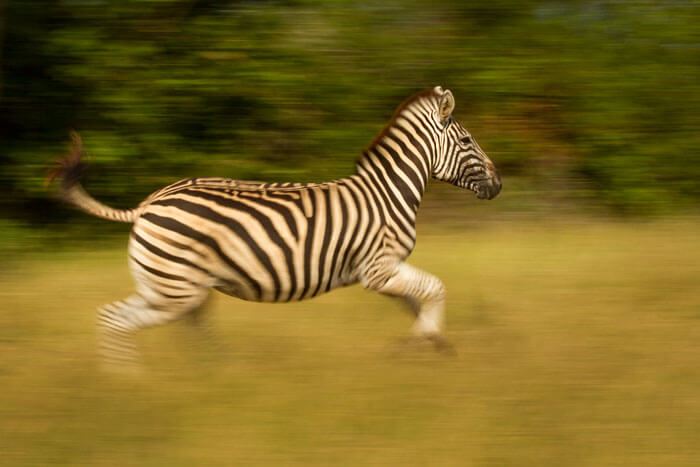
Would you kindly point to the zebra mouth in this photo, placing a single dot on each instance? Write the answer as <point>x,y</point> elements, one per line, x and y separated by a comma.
<point>487,189</point>
<point>482,192</point>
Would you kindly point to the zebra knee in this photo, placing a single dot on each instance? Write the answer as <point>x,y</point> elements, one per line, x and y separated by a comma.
<point>120,319</point>
<point>436,292</point>
<point>112,318</point>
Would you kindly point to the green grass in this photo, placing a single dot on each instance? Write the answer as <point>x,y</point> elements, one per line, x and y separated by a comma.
<point>578,345</point>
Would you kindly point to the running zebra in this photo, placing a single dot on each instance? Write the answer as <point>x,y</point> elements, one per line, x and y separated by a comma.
<point>278,242</point>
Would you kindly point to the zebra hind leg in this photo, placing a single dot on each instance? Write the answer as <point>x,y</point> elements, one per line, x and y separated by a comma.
<point>118,320</point>
<point>201,333</point>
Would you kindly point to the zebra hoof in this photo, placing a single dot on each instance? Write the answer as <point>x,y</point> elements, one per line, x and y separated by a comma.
<point>442,345</point>
<point>439,344</point>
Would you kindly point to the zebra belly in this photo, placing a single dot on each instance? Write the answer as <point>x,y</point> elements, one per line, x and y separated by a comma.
<point>235,289</point>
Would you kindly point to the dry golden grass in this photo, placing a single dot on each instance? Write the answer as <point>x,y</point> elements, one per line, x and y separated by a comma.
<point>578,345</point>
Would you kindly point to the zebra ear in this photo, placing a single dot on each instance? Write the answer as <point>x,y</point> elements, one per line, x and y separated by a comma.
<point>447,105</point>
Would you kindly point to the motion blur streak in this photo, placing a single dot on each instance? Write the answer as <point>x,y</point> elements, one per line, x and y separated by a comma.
<point>577,341</point>
<point>572,300</point>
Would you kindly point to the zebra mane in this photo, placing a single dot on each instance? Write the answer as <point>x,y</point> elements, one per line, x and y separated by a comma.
<point>410,100</point>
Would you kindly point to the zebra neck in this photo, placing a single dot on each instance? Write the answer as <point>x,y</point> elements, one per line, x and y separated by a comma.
<point>400,178</point>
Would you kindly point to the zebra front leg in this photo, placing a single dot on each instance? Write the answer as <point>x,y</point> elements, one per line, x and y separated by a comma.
<point>424,292</point>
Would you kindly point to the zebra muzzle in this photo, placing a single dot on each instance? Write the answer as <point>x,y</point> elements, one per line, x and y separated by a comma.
<point>489,188</point>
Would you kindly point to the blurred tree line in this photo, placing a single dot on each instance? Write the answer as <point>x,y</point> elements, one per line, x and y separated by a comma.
<point>597,99</point>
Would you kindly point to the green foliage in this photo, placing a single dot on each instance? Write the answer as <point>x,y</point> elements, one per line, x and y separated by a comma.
<point>592,96</point>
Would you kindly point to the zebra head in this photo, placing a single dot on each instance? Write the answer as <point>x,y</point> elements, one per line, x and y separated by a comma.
<point>460,160</point>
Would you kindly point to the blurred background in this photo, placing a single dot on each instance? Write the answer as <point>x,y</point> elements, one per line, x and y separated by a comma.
<point>593,104</point>
<point>574,298</point>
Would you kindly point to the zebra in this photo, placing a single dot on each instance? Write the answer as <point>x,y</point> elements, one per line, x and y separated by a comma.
<point>280,242</point>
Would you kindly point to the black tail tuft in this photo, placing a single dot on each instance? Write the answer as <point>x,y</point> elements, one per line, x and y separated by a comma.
<point>69,168</point>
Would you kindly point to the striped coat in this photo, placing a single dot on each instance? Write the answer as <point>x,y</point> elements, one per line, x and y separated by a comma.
<point>279,242</point>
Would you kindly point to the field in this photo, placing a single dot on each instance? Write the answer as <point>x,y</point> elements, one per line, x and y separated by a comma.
<point>578,345</point>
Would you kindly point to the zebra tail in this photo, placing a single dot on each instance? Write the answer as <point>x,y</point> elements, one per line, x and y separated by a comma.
<point>70,169</point>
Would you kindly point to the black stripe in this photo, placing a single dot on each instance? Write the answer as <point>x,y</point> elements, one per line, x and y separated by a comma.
<point>417,160</point>
<point>341,229</point>
<point>423,132</point>
<point>403,187</point>
<point>231,224</point>
<point>389,203</point>
<point>363,210</point>
<point>158,272</point>
<point>325,243</point>
<point>283,211</point>
<point>182,229</point>
<point>231,203</point>
<point>224,197</point>
<point>469,167</point>
<point>163,254</point>
<point>308,242</point>
<point>371,211</point>
<point>174,297</point>
<point>417,175</point>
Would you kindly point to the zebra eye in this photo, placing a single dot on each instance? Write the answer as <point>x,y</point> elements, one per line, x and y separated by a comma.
<point>466,140</point>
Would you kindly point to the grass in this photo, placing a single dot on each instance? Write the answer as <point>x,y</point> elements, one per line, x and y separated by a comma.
<point>578,345</point>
